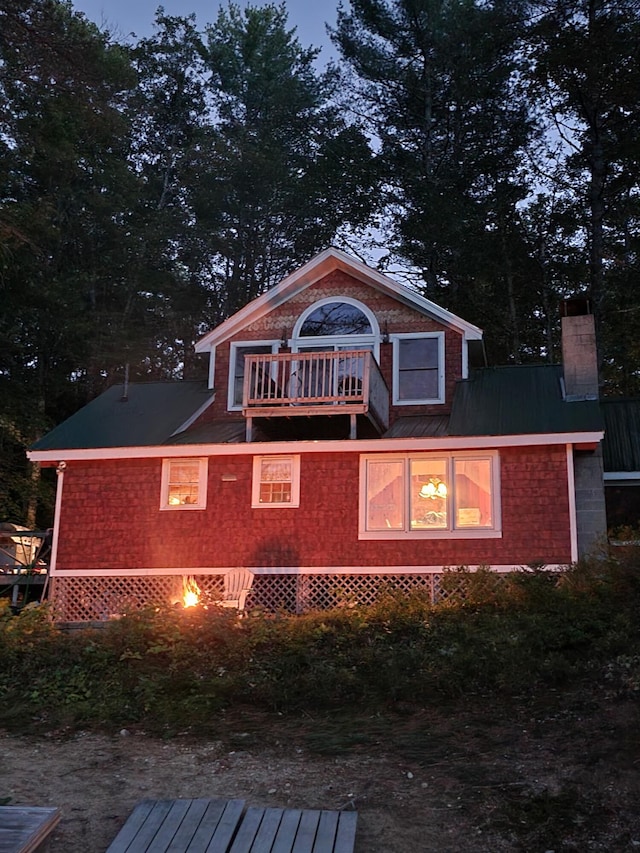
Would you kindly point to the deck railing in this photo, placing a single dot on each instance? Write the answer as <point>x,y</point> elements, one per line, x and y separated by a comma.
<point>307,380</point>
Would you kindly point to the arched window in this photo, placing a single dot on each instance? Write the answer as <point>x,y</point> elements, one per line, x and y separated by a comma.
<point>336,318</point>
<point>336,323</point>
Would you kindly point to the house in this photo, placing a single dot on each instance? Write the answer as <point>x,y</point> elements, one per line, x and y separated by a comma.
<point>344,440</point>
<point>621,457</point>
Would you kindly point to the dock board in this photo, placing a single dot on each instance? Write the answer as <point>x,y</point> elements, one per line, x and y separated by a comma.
<point>218,826</point>
<point>178,826</point>
<point>295,831</point>
<point>25,829</point>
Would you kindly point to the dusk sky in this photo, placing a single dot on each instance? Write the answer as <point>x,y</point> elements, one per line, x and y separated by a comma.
<point>126,16</point>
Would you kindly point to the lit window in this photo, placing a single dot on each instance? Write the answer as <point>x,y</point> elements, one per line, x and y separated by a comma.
<point>429,495</point>
<point>236,367</point>
<point>276,481</point>
<point>418,368</point>
<point>184,484</point>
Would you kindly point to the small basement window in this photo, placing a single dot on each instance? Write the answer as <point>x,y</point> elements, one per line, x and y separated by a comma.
<point>276,481</point>
<point>184,484</point>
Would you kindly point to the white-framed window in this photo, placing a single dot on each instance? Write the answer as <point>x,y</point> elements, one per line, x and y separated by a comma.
<point>418,368</point>
<point>238,351</point>
<point>337,317</point>
<point>276,481</point>
<point>184,484</point>
<point>430,495</point>
<point>336,323</point>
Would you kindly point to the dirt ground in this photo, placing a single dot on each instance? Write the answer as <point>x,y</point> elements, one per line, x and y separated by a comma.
<point>523,779</point>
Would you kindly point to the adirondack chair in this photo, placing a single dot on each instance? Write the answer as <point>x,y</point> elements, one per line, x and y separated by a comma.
<point>237,585</point>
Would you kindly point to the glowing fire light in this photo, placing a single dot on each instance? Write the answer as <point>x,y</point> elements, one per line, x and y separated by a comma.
<point>190,592</point>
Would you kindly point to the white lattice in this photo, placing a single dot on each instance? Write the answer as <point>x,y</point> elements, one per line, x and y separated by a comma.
<point>91,599</point>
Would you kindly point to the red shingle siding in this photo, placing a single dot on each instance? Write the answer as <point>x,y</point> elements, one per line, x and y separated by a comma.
<point>390,314</point>
<point>111,519</point>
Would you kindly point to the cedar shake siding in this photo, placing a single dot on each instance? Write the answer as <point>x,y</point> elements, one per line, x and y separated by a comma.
<point>110,519</point>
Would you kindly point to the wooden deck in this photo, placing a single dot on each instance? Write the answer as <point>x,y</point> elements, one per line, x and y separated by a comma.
<point>196,826</point>
<point>295,831</point>
<point>219,826</point>
<point>312,384</point>
<point>25,829</point>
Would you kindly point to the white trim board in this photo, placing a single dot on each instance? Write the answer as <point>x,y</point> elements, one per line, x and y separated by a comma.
<point>571,491</point>
<point>621,476</point>
<point>273,448</point>
<point>289,570</point>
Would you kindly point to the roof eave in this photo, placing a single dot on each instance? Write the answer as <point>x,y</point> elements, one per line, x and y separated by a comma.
<point>373,445</point>
<point>322,264</point>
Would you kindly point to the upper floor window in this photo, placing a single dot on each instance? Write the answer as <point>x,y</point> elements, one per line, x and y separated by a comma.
<point>237,364</point>
<point>418,368</point>
<point>184,484</point>
<point>336,323</point>
<point>335,318</point>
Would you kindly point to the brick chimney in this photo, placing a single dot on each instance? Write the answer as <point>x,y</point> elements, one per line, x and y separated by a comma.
<point>579,352</point>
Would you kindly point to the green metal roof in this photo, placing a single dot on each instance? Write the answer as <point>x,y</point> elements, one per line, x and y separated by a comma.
<point>151,413</point>
<point>419,426</point>
<point>213,432</point>
<point>621,446</point>
<point>519,399</point>
<point>512,400</point>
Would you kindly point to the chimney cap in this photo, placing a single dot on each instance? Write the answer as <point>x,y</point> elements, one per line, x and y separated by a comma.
<point>577,306</point>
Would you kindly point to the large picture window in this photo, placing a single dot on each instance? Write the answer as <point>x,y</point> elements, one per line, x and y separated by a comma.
<point>276,481</point>
<point>418,368</point>
<point>184,484</point>
<point>430,495</point>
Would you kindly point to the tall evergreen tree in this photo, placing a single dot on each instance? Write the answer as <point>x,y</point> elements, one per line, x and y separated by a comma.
<point>283,171</point>
<point>170,118</point>
<point>586,76</point>
<point>437,82</point>
<point>63,142</point>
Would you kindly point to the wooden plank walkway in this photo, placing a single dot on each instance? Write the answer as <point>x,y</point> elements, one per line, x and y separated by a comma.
<point>179,826</point>
<point>24,829</point>
<point>218,826</point>
<point>295,831</point>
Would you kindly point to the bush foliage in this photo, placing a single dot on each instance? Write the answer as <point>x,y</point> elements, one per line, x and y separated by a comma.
<point>173,669</point>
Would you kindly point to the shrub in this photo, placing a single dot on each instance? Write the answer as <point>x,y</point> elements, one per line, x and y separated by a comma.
<point>169,668</point>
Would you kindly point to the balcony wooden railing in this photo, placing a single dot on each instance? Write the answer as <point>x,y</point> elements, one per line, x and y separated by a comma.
<point>348,382</point>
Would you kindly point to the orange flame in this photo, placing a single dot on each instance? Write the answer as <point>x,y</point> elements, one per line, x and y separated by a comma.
<point>190,592</point>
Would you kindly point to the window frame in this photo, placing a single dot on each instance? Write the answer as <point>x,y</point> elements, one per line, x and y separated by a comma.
<point>403,336</point>
<point>232,406</point>
<point>166,479</point>
<point>256,481</point>
<point>450,531</point>
<point>308,340</point>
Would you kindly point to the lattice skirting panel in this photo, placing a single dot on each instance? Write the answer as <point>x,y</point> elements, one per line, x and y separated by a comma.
<point>93,599</point>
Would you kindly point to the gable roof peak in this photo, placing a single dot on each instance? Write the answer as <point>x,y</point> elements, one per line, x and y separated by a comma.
<point>320,265</point>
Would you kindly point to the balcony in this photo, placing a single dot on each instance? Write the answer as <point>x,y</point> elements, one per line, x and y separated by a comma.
<point>312,384</point>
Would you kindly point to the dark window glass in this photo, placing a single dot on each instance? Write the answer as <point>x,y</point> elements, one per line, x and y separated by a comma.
<point>336,318</point>
<point>238,375</point>
<point>418,369</point>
